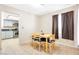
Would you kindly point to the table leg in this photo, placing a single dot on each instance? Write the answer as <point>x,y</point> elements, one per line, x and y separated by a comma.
<point>39,45</point>
<point>46,45</point>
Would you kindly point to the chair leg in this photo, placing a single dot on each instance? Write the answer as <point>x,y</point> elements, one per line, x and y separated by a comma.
<point>39,47</point>
<point>53,45</point>
<point>50,48</point>
<point>34,45</point>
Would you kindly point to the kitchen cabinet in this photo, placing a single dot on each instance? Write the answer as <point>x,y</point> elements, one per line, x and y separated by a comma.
<point>10,29</point>
<point>7,34</point>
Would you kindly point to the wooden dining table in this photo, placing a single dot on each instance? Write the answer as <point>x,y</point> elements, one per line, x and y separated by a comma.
<point>46,43</point>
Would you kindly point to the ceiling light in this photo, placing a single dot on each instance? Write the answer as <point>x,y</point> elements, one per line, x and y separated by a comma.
<point>37,5</point>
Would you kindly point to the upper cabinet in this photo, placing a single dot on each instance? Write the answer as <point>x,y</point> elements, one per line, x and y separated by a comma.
<point>9,20</point>
<point>8,23</point>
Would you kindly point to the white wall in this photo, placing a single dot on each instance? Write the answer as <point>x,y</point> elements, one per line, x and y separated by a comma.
<point>60,26</point>
<point>0,31</point>
<point>78,27</point>
<point>46,21</point>
<point>38,26</point>
<point>27,22</point>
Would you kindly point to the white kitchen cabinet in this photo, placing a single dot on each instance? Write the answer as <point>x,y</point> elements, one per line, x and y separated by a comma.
<point>7,34</point>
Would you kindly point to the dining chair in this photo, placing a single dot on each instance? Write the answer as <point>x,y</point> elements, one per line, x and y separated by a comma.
<point>36,41</point>
<point>51,42</point>
<point>43,42</point>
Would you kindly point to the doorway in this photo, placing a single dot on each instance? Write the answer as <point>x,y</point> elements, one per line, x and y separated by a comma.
<point>9,30</point>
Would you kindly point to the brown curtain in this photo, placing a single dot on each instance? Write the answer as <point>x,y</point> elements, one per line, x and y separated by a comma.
<point>55,25</point>
<point>68,25</point>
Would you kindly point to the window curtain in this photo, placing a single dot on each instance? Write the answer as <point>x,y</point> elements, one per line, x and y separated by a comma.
<point>68,25</point>
<point>55,25</point>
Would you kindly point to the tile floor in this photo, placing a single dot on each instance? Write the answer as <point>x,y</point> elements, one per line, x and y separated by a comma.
<point>12,47</point>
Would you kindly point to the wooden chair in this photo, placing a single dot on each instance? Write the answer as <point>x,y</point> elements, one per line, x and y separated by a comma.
<point>36,40</point>
<point>51,43</point>
<point>43,42</point>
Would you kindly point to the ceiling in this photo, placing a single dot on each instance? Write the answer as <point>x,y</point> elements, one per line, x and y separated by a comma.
<point>40,9</point>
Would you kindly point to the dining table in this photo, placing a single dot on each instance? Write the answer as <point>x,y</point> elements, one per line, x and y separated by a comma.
<point>46,43</point>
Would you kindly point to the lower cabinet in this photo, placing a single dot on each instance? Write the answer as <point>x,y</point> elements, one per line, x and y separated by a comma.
<point>7,34</point>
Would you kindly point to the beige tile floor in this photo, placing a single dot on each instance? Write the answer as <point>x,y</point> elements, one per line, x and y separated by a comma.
<point>12,47</point>
<point>66,42</point>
